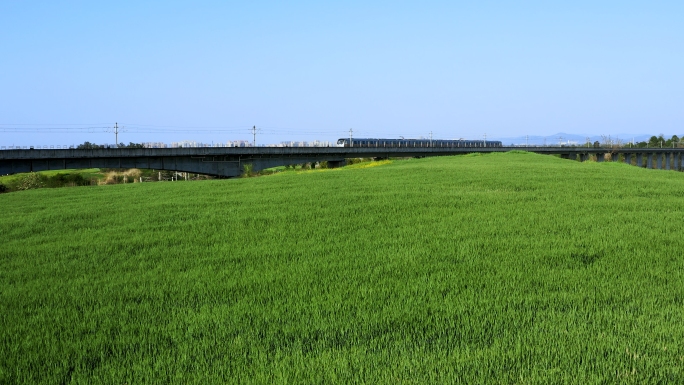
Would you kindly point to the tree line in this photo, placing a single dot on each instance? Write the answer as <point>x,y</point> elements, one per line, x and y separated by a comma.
<point>654,141</point>
<point>93,146</point>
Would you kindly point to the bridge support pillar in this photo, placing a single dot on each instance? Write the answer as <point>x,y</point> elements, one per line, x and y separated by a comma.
<point>640,160</point>
<point>659,161</point>
<point>681,162</point>
<point>614,157</point>
<point>600,157</point>
<point>667,162</point>
<point>628,159</point>
<point>649,161</point>
<point>565,156</point>
<point>583,157</point>
<point>676,161</point>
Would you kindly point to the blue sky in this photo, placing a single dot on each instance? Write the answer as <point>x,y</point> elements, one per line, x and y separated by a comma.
<point>170,71</point>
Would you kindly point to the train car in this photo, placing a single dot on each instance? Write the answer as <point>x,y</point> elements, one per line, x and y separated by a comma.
<point>415,143</point>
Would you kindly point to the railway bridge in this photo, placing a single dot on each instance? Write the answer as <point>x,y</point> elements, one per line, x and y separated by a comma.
<point>230,161</point>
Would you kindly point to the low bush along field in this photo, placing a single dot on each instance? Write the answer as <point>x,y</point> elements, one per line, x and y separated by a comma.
<point>87,174</point>
<point>505,268</point>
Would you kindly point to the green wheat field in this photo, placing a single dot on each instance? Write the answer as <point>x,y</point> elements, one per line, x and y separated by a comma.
<point>508,268</point>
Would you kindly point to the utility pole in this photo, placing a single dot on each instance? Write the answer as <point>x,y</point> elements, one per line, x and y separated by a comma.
<point>254,135</point>
<point>116,134</point>
<point>485,140</point>
<point>431,139</point>
<point>351,144</point>
<point>527,141</point>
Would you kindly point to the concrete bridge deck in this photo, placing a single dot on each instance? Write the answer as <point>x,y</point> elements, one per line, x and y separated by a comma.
<point>229,161</point>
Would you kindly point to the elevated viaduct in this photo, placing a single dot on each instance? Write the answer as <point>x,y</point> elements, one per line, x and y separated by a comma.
<point>230,161</point>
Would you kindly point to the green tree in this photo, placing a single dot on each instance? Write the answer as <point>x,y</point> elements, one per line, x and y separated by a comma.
<point>88,146</point>
<point>674,141</point>
<point>653,141</point>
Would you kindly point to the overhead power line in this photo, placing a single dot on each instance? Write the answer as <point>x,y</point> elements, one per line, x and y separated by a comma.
<point>267,131</point>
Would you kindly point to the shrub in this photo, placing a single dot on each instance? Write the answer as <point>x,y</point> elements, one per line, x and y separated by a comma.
<point>247,170</point>
<point>113,178</point>
<point>351,161</point>
<point>29,181</point>
<point>62,180</point>
<point>3,188</point>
